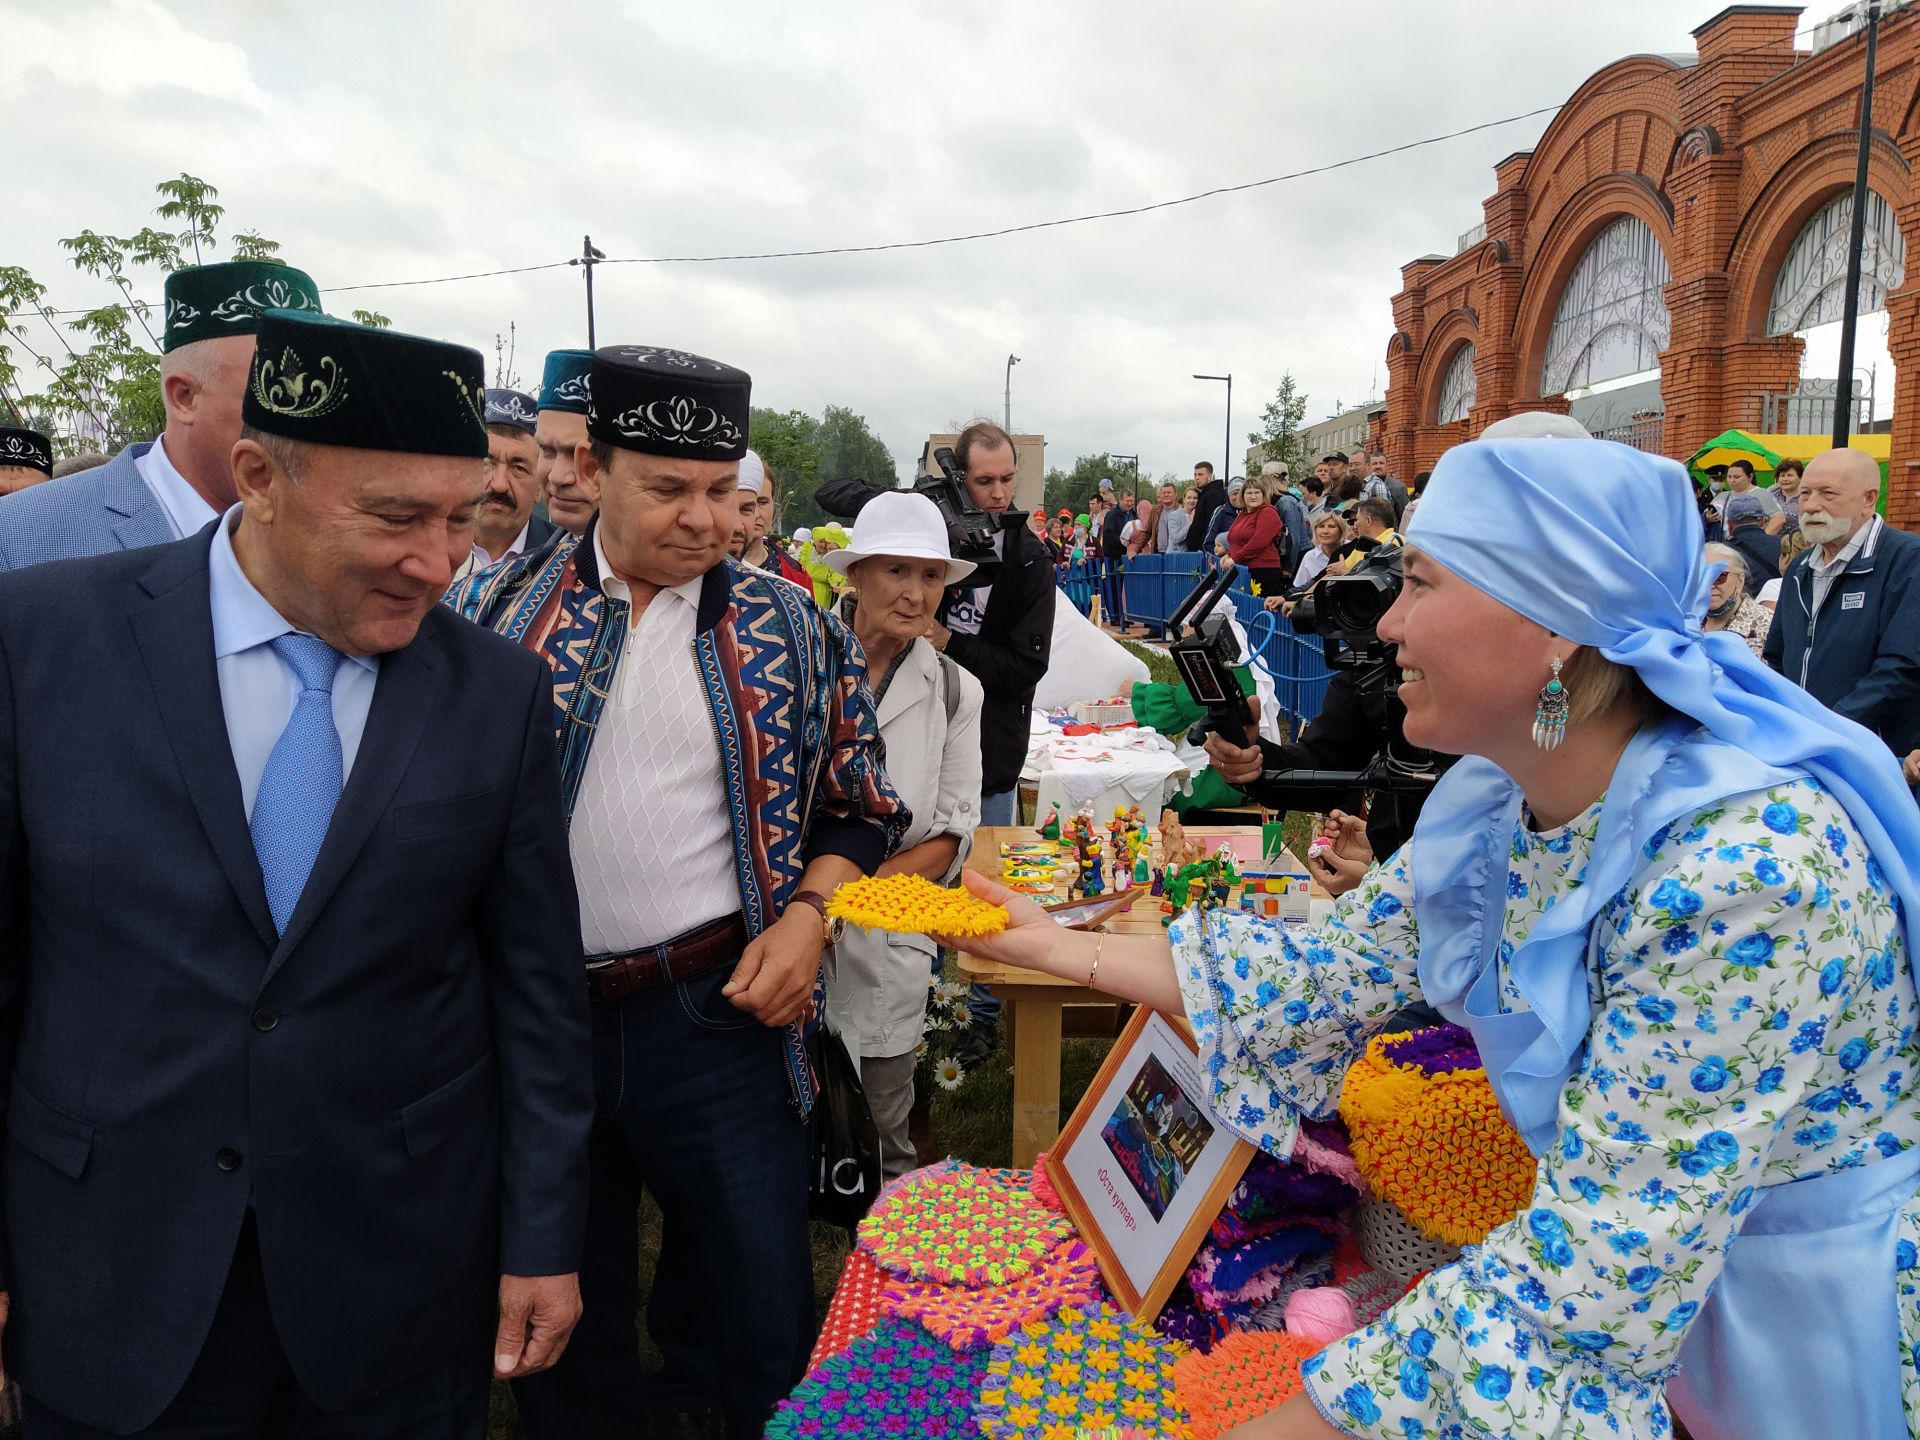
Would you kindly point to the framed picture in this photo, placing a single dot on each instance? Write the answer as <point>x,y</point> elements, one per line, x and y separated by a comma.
<point>1143,1166</point>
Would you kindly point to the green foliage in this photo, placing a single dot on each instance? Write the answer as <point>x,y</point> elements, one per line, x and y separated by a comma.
<point>102,369</point>
<point>1279,433</point>
<point>803,452</point>
<point>192,200</point>
<point>372,319</point>
<point>1071,489</point>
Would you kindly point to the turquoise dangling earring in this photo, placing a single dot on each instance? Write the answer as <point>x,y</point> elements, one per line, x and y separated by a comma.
<point>1550,718</point>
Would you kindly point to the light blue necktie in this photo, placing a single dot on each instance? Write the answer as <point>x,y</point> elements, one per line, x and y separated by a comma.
<point>302,780</point>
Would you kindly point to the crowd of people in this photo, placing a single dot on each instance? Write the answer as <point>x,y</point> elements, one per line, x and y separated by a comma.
<point>420,803</point>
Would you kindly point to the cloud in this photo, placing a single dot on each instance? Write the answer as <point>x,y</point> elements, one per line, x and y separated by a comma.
<point>390,142</point>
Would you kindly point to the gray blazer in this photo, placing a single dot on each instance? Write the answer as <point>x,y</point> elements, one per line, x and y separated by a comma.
<point>95,512</point>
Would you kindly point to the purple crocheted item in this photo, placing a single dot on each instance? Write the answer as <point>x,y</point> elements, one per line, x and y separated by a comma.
<point>1183,1319</point>
<point>1276,1196</point>
<point>1437,1050</point>
<point>897,1383</point>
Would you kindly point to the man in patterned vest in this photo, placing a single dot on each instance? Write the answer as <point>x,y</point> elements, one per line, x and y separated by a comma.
<point>721,768</point>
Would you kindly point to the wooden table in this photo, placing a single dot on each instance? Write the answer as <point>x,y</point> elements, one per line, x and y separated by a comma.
<point>1035,1003</point>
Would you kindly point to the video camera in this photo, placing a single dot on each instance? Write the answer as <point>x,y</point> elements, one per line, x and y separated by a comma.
<point>1206,655</point>
<point>970,530</point>
<point>1345,610</point>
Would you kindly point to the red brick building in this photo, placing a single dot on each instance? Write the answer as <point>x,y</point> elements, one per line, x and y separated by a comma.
<point>1688,212</point>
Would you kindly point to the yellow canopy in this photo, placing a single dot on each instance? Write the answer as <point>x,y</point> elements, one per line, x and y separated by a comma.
<point>1767,451</point>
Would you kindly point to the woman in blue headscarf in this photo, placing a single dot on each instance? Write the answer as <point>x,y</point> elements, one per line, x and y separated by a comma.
<point>1669,895</point>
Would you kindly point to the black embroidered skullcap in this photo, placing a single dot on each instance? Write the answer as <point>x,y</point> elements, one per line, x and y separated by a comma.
<point>668,402</point>
<point>28,448</point>
<point>323,381</point>
<point>511,407</point>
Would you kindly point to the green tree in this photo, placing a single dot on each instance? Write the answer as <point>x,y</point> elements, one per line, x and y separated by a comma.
<point>194,201</point>
<point>1071,489</point>
<point>803,452</point>
<point>372,319</point>
<point>102,369</point>
<point>1279,434</point>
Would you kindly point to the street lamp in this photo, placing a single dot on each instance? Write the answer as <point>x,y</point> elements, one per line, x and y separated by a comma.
<point>1012,360</point>
<point>1112,455</point>
<point>1227,454</point>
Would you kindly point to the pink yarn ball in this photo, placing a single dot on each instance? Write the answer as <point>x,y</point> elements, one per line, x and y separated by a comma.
<point>1324,1313</point>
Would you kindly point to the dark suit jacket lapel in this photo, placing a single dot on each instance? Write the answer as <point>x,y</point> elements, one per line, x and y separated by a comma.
<point>175,634</point>
<point>402,701</point>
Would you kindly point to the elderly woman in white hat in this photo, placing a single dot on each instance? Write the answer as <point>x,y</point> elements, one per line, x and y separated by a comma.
<point>898,565</point>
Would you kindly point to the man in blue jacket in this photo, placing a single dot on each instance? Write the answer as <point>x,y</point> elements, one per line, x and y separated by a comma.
<point>1847,626</point>
<point>169,488</point>
<point>293,1034</point>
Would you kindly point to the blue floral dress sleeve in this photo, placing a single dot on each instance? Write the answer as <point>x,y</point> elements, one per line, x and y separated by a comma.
<point>1755,1024</point>
<point>1279,1014</point>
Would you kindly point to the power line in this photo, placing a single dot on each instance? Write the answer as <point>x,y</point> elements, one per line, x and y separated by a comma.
<point>1002,232</point>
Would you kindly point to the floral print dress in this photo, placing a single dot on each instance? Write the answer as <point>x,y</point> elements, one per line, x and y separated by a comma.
<point>1753,1023</point>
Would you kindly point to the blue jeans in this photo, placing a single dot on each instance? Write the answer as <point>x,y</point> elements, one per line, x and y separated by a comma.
<point>693,1106</point>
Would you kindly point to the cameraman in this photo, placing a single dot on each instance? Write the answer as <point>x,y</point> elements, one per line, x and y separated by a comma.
<point>1360,720</point>
<point>998,623</point>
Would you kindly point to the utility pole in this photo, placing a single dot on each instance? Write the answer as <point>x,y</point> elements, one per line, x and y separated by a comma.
<point>1856,240</point>
<point>589,257</point>
<point>1012,360</point>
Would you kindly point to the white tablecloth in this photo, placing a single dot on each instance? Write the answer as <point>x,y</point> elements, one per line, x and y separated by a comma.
<point>1108,771</point>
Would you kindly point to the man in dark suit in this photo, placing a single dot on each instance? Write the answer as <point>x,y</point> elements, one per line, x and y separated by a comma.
<point>295,1029</point>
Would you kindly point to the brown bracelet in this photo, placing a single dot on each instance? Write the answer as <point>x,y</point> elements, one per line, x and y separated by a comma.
<point>1099,945</point>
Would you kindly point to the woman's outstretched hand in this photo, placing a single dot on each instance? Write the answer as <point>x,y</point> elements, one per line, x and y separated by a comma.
<point>1341,855</point>
<point>1030,932</point>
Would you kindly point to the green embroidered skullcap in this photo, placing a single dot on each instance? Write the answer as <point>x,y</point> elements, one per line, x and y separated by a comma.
<point>206,301</point>
<point>28,449</point>
<point>563,385</point>
<point>323,381</point>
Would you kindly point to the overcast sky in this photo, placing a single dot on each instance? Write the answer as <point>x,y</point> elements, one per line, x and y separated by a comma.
<point>401,141</point>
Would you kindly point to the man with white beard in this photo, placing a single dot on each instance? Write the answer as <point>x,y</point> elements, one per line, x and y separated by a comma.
<point>1847,625</point>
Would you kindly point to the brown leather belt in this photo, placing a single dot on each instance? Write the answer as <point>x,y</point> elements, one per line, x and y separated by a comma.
<point>614,977</point>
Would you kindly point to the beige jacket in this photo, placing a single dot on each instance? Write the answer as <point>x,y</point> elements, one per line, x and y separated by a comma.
<point>877,987</point>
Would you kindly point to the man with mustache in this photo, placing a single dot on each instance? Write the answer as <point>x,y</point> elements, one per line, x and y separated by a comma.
<point>1847,624</point>
<point>505,523</point>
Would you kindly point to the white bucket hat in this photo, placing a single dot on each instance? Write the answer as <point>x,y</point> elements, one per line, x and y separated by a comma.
<point>899,522</point>
<point>753,472</point>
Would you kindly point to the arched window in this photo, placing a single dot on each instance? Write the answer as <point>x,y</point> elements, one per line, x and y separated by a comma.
<point>1612,317</point>
<point>1811,287</point>
<point>1457,387</point>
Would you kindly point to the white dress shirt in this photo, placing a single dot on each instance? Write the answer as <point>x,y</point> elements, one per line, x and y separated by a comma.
<point>187,512</point>
<point>257,688</point>
<point>652,843</point>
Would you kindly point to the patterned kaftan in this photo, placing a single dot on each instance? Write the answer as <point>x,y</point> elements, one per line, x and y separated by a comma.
<point>1753,1023</point>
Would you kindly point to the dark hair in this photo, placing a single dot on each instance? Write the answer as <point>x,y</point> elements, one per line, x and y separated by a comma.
<point>1314,485</point>
<point>1377,510</point>
<point>1420,482</point>
<point>1746,465</point>
<point>982,434</point>
<point>1350,489</point>
<point>602,453</point>
<point>1793,465</point>
<point>1206,465</point>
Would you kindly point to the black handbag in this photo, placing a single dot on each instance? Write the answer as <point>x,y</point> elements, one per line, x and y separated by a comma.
<point>843,1143</point>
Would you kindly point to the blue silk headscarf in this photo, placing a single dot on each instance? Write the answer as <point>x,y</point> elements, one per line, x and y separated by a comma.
<point>1601,544</point>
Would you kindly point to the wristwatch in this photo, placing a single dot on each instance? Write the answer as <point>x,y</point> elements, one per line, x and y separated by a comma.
<point>832,928</point>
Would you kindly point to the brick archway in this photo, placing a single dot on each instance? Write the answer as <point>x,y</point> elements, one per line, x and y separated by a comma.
<point>1724,158</point>
<point>1561,249</point>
